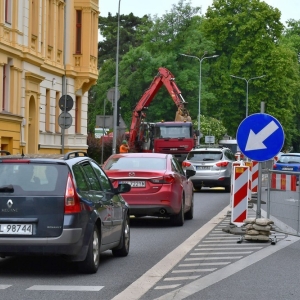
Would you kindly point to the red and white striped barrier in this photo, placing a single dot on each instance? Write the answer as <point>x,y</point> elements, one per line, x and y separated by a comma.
<point>249,164</point>
<point>234,164</point>
<point>254,175</point>
<point>284,182</point>
<point>240,191</point>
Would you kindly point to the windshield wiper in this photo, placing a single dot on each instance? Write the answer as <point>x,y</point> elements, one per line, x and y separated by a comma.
<point>7,189</point>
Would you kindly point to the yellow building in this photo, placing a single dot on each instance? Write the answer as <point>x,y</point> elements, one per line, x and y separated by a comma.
<point>48,48</point>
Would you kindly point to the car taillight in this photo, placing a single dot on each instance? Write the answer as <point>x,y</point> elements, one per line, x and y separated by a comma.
<point>165,179</point>
<point>186,164</point>
<point>72,203</point>
<point>274,166</point>
<point>222,164</point>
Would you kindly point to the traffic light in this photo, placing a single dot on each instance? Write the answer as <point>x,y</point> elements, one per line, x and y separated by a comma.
<point>118,115</point>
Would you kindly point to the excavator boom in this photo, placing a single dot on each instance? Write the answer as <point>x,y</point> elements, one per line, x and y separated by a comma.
<point>166,78</point>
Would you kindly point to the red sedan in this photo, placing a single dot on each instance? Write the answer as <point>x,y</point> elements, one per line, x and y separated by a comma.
<point>159,186</point>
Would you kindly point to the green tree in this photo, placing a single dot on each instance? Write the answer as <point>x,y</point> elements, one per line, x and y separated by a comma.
<point>246,34</point>
<point>212,127</point>
<point>161,47</point>
<point>131,31</point>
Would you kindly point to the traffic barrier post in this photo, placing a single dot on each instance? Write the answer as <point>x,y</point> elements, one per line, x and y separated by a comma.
<point>240,191</point>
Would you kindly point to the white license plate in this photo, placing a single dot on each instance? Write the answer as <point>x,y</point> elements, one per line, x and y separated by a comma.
<point>20,229</point>
<point>287,169</point>
<point>135,184</point>
<point>203,168</point>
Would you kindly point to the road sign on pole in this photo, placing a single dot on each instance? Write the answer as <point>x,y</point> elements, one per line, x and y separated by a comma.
<point>260,137</point>
<point>111,94</point>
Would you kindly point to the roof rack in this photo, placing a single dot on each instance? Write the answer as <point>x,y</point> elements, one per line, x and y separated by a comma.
<point>73,154</point>
<point>209,146</point>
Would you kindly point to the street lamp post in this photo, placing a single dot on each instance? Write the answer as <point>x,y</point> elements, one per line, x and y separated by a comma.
<point>115,129</point>
<point>199,101</point>
<point>247,89</point>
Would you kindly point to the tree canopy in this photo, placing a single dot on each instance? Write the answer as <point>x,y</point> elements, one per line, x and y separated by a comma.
<point>250,42</point>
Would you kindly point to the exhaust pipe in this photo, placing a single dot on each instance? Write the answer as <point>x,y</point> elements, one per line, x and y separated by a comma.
<point>162,211</point>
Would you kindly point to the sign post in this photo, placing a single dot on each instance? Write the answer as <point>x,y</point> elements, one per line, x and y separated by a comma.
<point>260,137</point>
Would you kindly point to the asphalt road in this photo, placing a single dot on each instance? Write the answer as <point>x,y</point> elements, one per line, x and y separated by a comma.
<point>152,239</point>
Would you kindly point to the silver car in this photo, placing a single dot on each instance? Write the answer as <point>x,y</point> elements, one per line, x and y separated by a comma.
<point>213,167</point>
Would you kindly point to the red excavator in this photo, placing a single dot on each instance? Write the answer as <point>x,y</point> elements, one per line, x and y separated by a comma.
<point>176,137</point>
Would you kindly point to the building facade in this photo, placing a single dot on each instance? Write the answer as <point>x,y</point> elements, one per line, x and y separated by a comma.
<point>48,49</point>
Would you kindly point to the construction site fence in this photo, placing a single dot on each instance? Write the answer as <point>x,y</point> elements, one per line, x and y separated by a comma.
<point>283,204</point>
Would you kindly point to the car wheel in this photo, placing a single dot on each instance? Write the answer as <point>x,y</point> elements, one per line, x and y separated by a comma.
<point>228,188</point>
<point>178,219</point>
<point>123,248</point>
<point>197,188</point>
<point>190,214</point>
<point>91,263</point>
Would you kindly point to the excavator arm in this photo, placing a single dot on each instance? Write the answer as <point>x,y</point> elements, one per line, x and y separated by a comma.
<point>166,78</point>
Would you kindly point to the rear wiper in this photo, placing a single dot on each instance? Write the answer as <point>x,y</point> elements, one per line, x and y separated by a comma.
<point>7,189</point>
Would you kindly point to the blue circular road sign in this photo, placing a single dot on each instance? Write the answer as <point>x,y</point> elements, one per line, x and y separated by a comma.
<point>260,137</point>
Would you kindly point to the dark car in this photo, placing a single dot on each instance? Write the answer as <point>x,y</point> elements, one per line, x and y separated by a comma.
<point>159,186</point>
<point>61,205</point>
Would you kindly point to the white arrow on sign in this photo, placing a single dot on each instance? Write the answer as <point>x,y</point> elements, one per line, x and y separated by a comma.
<point>255,141</point>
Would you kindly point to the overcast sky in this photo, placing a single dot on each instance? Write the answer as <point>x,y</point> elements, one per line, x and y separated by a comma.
<point>289,8</point>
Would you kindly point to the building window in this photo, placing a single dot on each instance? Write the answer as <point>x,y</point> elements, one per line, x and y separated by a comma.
<point>8,4</point>
<point>5,85</point>
<point>78,31</point>
<point>60,24</point>
<point>57,112</point>
<point>50,17</point>
<point>78,115</point>
<point>48,111</point>
<point>34,17</point>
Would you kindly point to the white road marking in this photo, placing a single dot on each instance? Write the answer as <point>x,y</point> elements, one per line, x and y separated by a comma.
<point>212,278</point>
<point>227,248</point>
<point>65,288</point>
<point>180,278</point>
<point>213,258</point>
<point>204,264</point>
<point>223,238</point>
<point>219,241</point>
<point>222,253</point>
<point>138,288</point>
<point>220,234</point>
<point>163,287</point>
<point>228,244</point>
<point>4,286</point>
<point>194,270</point>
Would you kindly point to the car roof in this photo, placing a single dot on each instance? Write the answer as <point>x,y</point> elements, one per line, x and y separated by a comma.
<point>45,157</point>
<point>210,149</point>
<point>147,155</point>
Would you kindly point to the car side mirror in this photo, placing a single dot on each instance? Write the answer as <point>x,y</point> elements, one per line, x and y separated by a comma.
<point>123,188</point>
<point>190,173</point>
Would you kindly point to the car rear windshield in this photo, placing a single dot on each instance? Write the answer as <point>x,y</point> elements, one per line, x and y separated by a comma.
<point>136,163</point>
<point>33,178</point>
<point>289,159</point>
<point>204,155</point>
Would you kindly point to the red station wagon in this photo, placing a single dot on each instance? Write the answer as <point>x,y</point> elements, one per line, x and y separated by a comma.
<point>159,186</point>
